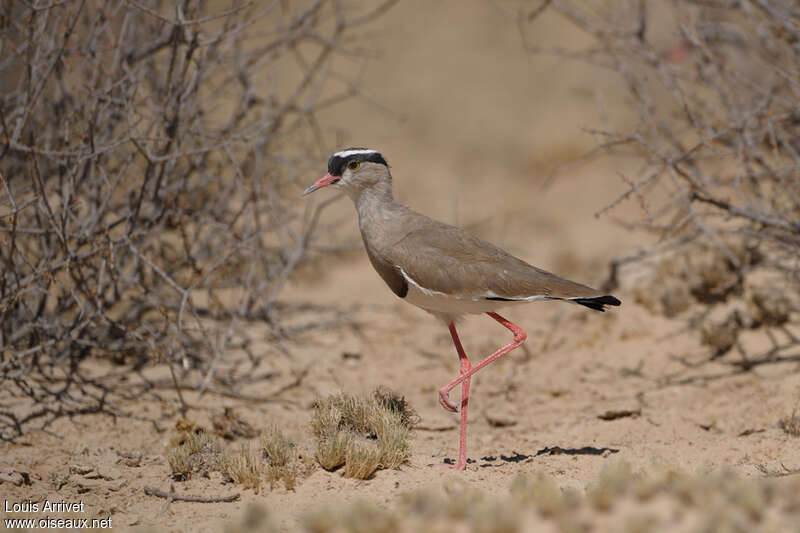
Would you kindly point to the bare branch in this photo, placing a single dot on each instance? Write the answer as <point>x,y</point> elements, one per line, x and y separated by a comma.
<point>148,204</point>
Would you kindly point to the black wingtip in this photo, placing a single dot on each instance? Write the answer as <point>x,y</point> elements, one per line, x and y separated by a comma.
<point>598,303</point>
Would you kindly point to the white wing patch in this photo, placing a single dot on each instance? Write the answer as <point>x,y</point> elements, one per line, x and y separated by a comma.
<point>348,153</point>
<point>533,298</point>
<point>419,287</point>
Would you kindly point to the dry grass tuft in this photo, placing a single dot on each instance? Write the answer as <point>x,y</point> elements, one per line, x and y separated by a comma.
<point>361,460</point>
<point>283,463</point>
<point>615,481</point>
<point>459,505</point>
<point>791,424</point>
<point>363,433</point>
<point>192,453</point>
<point>276,447</point>
<point>275,460</point>
<point>360,517</point>
<point>332,450</point>
<point>179,463</point>
<point>366,517</point>
<point>243,467</point>
<point>319,521</point>
<point>256,518</point>
<point>397,404</point>
<point>541,491</point>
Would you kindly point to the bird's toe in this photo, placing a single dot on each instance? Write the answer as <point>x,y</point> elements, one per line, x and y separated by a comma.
<point>444,400</point>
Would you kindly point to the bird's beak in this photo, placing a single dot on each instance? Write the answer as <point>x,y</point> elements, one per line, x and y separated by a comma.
<point>324,181</point>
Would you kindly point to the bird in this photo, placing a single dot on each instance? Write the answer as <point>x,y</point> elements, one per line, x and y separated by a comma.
<point>443,269</point>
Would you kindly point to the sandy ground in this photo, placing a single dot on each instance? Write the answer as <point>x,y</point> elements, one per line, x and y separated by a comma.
<point>475,126</point>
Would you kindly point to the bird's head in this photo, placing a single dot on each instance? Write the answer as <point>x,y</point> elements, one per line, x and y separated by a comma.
<point>354,170</point>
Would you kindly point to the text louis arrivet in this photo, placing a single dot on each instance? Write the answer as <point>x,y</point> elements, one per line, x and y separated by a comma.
<point>52,506</point>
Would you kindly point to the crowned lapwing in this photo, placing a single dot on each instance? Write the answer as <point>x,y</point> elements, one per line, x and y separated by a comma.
<point>441,268</point>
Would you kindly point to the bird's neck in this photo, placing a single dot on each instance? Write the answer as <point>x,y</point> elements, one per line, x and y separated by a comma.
<point>373,197</point>
<point>376,208</point>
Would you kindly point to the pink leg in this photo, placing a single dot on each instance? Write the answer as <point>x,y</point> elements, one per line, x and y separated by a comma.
<point>465,367</point>
<point>519,338</point>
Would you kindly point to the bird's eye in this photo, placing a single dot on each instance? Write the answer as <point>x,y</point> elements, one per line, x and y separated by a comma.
<point>353,165</point>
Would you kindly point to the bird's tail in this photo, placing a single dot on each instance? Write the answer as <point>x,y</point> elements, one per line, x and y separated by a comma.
<point>597,303</point>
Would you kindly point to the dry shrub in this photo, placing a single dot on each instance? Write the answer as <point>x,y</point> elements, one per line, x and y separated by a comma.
<point>703,275</point>
<point>363,433</point>
<point>709,114</point>
<point>730,304</point>
<point>149,159</point>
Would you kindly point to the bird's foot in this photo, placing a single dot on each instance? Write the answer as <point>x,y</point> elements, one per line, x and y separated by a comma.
<point>444,400</point>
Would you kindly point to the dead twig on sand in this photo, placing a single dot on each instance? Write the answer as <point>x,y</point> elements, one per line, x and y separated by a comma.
<point>171,496</point>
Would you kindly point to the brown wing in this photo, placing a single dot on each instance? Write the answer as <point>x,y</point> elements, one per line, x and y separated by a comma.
<point>447,259</point>
<point>388,272</point>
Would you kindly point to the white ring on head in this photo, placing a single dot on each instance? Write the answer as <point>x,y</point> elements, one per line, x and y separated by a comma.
<point>347,153</point>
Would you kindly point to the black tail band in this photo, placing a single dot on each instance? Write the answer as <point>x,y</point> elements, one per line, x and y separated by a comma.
<point>597,303</point>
